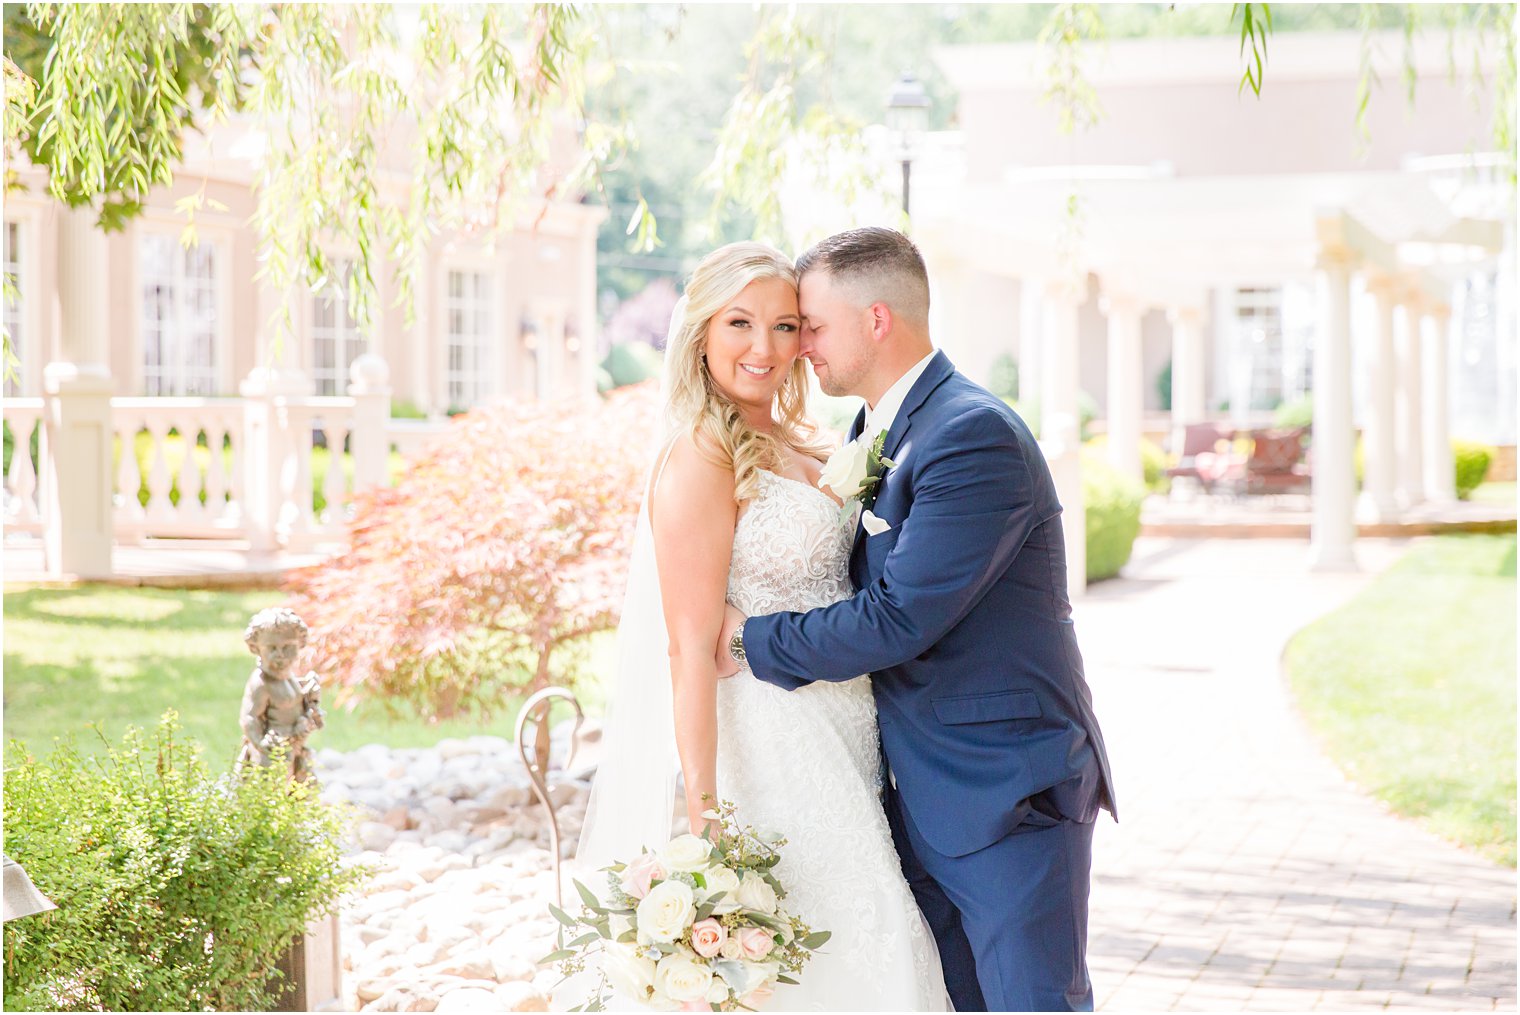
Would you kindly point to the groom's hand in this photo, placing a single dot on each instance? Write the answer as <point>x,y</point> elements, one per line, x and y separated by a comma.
<point>727,665</point>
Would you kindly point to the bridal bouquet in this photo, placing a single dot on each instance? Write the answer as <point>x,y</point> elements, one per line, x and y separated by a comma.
<point>698,925</point>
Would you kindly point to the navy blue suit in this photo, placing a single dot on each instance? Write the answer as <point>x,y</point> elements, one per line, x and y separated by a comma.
<point>963,621</point>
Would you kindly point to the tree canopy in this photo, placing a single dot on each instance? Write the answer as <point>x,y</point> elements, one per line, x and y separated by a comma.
<point>686,119</point>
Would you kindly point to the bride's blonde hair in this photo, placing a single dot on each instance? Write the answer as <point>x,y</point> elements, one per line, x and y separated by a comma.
<point>698,406</point>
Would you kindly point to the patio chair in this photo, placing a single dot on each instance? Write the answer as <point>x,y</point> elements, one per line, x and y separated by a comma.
<point>1197,439</point>
<point>1276,463</point>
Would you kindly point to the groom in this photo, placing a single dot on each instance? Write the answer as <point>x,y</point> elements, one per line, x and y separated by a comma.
<point>996,767</point>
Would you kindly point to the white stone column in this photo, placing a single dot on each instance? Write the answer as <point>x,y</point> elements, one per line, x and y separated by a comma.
<point>588,327</point>
<point>1060,424</point>
<point>1435,437</point>
<point>370,387</point>
<point>269,450</point>
<point>1031,341</point>
<point>77,436</point>
<point>1125,383</point>
<point>1379,443</point>
<point>1408,412</point>
<point>1333,524</point>
<point>1189,404</point>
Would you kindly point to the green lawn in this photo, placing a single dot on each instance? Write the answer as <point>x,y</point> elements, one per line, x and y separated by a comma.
<point>121,656</point>
<point>1411,687</point>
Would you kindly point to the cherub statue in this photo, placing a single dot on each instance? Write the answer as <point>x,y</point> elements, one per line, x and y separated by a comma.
<point>279,708</point>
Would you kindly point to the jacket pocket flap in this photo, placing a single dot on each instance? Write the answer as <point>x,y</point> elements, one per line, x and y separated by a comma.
<point>969,708</point>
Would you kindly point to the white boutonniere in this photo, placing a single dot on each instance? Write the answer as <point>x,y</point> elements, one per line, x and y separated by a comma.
<point>854,471</point>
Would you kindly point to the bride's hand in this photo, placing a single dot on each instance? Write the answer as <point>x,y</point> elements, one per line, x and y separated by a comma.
<point>727,665</point>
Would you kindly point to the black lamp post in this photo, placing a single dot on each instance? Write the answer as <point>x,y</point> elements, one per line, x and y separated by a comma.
<point>907,118</point>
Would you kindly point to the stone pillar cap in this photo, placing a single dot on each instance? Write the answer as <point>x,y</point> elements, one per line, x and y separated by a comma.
<point>369,375</point>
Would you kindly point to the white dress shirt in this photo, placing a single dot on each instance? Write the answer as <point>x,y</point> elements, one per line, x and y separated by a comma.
<point>883,414</point>
<point>880,417</point>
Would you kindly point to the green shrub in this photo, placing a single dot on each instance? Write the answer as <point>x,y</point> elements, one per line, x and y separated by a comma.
<point>1029,412</point>
<point>1297,413</point>
<point>1469,459</point>
<point>1113,516</point>
<point>1164,386</point>
<point>176,890</point>
<point>1153,461</point>
<point>1003,377</point>
<point>1087,411</point>
<point>405,408</point>
<point>1472,461</point>
<point>632,363</point>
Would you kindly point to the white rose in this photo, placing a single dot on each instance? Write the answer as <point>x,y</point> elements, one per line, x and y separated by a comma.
<point>717,991</point>
<point>682,978</point>
<point>666,911</point>
<point>732,949</point>
<point>846,468</point>
<point>630,973</point>
<point>743,977</point>
<point>618,925</point>
<point>721,879</point>
<point>757,894</point>
<point>688,853</point>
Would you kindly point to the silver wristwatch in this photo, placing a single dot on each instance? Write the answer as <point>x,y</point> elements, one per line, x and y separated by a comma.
<point>736,646</point>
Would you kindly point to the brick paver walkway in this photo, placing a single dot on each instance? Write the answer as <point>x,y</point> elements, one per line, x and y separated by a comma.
<point>1247,873</point>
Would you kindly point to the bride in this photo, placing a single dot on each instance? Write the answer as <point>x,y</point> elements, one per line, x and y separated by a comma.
<point>734,513</point>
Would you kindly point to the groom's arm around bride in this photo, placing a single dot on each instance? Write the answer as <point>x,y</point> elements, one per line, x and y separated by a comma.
<point>962,619</point>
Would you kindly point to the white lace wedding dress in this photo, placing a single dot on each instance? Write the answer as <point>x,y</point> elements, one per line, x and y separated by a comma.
<point>806,763</point>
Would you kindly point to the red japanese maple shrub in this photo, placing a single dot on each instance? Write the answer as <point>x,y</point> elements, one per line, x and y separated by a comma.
<point>504,542</point>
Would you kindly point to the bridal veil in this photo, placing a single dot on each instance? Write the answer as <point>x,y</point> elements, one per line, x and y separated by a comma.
<point>632,801</point>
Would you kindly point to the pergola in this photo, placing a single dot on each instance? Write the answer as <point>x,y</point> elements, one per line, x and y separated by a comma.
<point>997,227</point>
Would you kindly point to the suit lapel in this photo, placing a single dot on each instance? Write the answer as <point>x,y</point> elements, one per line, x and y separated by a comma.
<point>935,374</point>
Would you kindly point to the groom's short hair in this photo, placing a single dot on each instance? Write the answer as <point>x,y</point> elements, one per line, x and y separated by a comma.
<point>875,265</point>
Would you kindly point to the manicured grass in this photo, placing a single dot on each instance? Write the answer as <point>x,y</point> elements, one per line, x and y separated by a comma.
<point>121,656</point>
<point>1411,687</point>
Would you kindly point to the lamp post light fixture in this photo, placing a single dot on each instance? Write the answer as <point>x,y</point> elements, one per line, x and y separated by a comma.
<point>907,118</point>
<point>21,896</point>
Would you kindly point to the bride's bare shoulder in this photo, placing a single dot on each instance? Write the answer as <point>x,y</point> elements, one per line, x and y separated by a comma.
<point>690,481</point>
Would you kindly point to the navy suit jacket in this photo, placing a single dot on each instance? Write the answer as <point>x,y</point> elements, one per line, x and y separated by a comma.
<point>962,619</point>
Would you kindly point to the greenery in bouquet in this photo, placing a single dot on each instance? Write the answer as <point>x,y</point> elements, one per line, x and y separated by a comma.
<point>697,925</point>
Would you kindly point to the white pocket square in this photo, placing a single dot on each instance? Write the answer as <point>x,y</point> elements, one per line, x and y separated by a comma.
<point>873,525</point>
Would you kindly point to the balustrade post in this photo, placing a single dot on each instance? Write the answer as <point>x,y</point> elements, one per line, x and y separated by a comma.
<point>268,451</point>
<point>369,386</point>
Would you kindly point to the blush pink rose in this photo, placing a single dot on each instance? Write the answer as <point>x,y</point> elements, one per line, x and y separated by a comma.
<point>756,998</point>
<point>707,937</point>
<point>640,874</point>
<point>700,1004</point>
<point>757,943</point>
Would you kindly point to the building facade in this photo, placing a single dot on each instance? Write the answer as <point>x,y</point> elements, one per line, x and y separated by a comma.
<point>1186,183</point>
<point>506,317</point>
<point>1255,250</point>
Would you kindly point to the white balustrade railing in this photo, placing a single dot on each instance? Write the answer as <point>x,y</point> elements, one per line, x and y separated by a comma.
<point>239,468</point>
<point>408,436</point>
<point>24,476</point>
<point>178,467</point>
